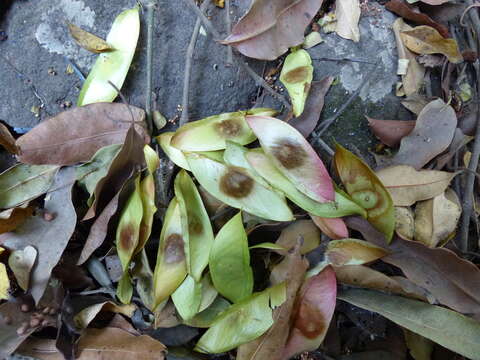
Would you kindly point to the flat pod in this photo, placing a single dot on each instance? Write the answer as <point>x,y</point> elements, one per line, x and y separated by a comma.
<point>366,190</point>
<point>342,206</point>
<point>113,66</point>
<point>212,132</point>
<point>229,263</point>
<point>233,186</point>
<point>171,267</point>
<point>293,156</point>
<point>297,76</point>
<point>197,229</point>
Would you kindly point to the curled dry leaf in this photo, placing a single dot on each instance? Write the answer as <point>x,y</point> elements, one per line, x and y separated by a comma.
<point>432,134</point>
<point>307,121</point>
<point>445,327</point>
<point>312,316</point>
<point>7,140</point>
<point>12,218</point>
<point>84,317</point>
<point>390,132</point>
<point>407,185</point>
<point>21,263</point>
<point>271,27</point>
<point>293,156</point>
<point>366,190</point>
<point>296,76</point>
<point>76,135</point>
<point>404,10</point>
<point>427,40</point>
<point>38,232</point>
<point>347,14</point>
<point>112,66</point>
<point>404,222</point>
<point>436,219</point>
<point>352,252</point>
<point>334,228</point>
<point>87,40</point>
<point>300,229</point>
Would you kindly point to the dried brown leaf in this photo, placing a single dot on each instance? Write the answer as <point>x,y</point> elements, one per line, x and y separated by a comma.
<point>7,140</point>
<point>12,218</point>
<point>390,132</point>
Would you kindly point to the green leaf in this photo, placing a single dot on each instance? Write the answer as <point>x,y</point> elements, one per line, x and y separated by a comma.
<point>125,288</point>
<point>342,206</point>
<point>112,66</point>
<point>297,75</point>
<point>171,267</point>
<point>197,229</point>
<point>366,190</point>
<point>187,298</point>
<point>177,156</point>
<point>22,183</point>
<point>239,324</point>
<point>206,318</point>
<point>212,132</point>
<point>230,261</point>
<point>236,188</point>
<point>268,245</point>
<point>445,327</point>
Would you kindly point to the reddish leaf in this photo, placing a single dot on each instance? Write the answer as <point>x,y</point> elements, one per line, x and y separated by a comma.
<point>271,27</point>
<point>307,122</point>
<point>404,10</point>
<point>313,314</point>
<point>7,140</point>
<point>75,135</point>
<point>390,132</point>
<point>334,228</point>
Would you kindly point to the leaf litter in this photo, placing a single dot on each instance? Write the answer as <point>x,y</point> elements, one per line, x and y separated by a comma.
<point>225,249</point>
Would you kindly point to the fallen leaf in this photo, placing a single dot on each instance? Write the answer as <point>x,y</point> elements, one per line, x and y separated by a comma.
<point>420,347</point>
<point>415,102</point>
<point>459,141</point>
<point>187,298</point>
<point>312,39</point>
<point>296,76</point>
<point>307,121</point>
<point>300,229</point>
<point>207,317</point>
<point>413,79</point>
<point>390,132</point>
<point>12,218</point>
<point>271,344</point>
<point>83,318</point>
<point>366,190</point>
<point>334,228</point>
<point>269,28</point>
<point>38,232</point>
<point>4,282</point>
<point>445,327</point>
<point>404,222</point>
<point>76,135</point>
<point>112,66</point>
<point>233,186</point>
<point>348,14</point>
<point>22,183</point>
<point>352,252</point>
<point>21,263</point>
<point>293,156</point>
<point>427,40</point>
<point>432,135</point>
<point>434,2</point>
<point>87,40</point>
<point>405,11</point>
<point>172,152</point>
<point>313,313</point>
<point>228,330</point>
<point>7,140</point>
<point>407,185</point>
<point>438,270</point>
<point>171,266</point>
<point>436,220</point>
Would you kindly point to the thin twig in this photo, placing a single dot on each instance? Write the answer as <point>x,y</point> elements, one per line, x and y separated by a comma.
<point>323,126</point>
<point>259,81</point>
<point>148,99</point>
<point>208,25</point>
<point>188,67</point>
<point>228,22</point>
<point>344,60</point>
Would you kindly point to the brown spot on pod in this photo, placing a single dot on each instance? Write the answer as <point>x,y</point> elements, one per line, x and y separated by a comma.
<point>194,224</point>
<point>127,235</point>
<point>174,251</point>
<point>290,154</point>
<point>309,320</point>
<point>229,128</point>
<point>236,183</point>
<point>296,75</point>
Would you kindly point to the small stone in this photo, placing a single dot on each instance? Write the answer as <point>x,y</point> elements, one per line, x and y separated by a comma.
<point>25,308</point>
<point>51,71</point>
<point>47,216</point>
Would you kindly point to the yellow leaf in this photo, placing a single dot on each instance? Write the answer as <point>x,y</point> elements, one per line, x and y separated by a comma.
<point>88,41</point>
<point>4,281</point>
<point>426,40</point>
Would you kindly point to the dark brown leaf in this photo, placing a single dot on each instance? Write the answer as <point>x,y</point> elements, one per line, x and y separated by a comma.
<point>391,132</point>
<point>7,140</point>
<point>75,135</point>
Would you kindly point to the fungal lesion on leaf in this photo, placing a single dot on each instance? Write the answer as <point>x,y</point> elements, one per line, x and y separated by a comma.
<point>195,226</point>
<point>289,153</point>
<point>229,128</point>
<point>297,75</point>
<point>309,320</point>
<point>236,183</point>
<point>127,235</point>
<point>174,252</point>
